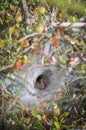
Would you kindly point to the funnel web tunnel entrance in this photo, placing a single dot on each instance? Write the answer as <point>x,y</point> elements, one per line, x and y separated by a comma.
<point>43,80</point>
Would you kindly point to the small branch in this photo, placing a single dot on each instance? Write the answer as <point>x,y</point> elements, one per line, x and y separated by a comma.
<point>6,67</point>
<point>78,78</point>
<point>66,24</point>
<point>13,103</point>
<point>30,35</point>
<point>24,38</point>
<point>25,50</point>
<point>26,13</point>
<point>3,101</point>
<point>46,4</point>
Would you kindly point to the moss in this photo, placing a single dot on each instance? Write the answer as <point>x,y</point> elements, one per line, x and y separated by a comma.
<point>68,7</point>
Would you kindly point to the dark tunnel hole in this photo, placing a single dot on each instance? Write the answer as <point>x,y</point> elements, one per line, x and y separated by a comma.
<point>42,81</point>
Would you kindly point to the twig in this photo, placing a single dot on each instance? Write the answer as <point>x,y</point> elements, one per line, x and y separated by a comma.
<point>67,24</point>
<point>24,38</point>
<point>3,101</point>
<point>46,4</point>
<point>26,13</point>
<point>75,79</point>
<point>30,35</point>
<point>13,103</point>
<point>22,106</point>
<point>6,67</point>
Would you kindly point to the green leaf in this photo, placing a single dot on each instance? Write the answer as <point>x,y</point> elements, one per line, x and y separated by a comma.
<point>33,113</point>
<point>54,129</point>
<point>65,114</point>
<point>57,125</point>
<point>57,111</point>
<point>62,59</point>
<point>83,66</point>
<point>39,117</point>
<point>81,43</point>
<point>74,33</point>
<point>75,19</point>
<point>1,42</point>
<point>16,2</point>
